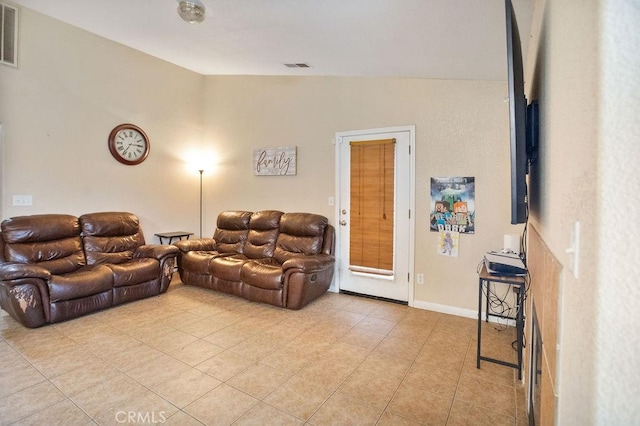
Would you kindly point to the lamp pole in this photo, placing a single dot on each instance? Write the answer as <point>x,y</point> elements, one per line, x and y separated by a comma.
<point>201,170</point>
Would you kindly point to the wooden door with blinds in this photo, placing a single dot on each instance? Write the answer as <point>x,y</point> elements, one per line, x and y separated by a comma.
<point>372,183</point>
<point>374,254</point>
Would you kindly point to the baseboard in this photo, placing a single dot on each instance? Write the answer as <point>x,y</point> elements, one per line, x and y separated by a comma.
<point>445,309</point>
<point>454,310</point>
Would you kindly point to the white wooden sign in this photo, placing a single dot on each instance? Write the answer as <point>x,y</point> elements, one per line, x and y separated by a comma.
<point>278,161</point>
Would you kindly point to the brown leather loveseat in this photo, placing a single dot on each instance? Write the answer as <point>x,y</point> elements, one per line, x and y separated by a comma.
<point>55,267</point>
<point>284,259</point>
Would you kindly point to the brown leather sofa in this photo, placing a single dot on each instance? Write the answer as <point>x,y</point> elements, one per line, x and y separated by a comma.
<point>55,267</point>
<point>284,259</point>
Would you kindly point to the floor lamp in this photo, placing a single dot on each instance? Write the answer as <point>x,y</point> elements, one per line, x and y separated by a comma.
<point>201,170</point>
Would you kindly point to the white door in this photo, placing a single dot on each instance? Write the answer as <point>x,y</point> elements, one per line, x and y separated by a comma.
<point>394,280</point>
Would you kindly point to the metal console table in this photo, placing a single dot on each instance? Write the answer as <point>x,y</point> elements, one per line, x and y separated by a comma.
<point>485,279</point>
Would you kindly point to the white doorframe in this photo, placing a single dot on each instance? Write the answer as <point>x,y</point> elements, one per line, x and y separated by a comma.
<point>412,202</point>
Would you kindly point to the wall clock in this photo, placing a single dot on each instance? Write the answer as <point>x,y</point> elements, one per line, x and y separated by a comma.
<point>129,144</point>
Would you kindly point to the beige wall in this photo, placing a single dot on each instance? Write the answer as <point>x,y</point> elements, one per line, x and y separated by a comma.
<point>583,68</point>
<point>563,189</point>
<point>461,130</point>
<point>618,360</point>
<point>58,108</point>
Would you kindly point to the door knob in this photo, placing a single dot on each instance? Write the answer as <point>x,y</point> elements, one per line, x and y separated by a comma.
<point>343,222</point>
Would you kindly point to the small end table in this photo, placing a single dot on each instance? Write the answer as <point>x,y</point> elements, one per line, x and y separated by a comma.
<point>519,283</point>
<point>171,235</point>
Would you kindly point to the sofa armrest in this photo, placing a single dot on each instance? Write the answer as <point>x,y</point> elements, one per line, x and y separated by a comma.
<point>202,244</point>
<point>309,264</point>
<point>24,293</point>
<point>155,251</point>
<point>306,278</point>
<point>165,254</point>
<point>14,271</point>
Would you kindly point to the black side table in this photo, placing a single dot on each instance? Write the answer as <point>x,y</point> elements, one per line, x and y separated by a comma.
<point>485,279</point>
<point>171,235</point>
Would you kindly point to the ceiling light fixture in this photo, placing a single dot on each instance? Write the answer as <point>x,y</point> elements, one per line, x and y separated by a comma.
<point>191,11</point>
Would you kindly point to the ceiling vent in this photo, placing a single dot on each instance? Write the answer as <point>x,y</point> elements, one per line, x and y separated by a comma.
<point>8,35</point>
<point>302,65</point>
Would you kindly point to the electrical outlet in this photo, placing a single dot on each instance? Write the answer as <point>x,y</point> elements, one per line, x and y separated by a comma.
<point>420,278</point>
<point>22,200</point>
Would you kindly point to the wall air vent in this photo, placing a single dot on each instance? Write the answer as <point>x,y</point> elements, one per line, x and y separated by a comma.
<point>8,35</point>
<point>301,65</point>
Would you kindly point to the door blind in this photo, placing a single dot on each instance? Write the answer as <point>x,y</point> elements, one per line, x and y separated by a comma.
<point>372,206</point>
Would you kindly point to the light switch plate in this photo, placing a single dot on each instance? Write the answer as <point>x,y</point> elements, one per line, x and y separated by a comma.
<point>22,200</point>
<point>574,250</point>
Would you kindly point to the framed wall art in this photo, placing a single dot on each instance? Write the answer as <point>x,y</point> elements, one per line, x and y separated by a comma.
<point>279,161</point>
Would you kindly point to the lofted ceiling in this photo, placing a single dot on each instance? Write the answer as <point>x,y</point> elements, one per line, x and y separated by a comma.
<point>442,39</point>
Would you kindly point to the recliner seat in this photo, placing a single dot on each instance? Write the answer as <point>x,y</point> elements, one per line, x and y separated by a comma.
<point>284,259</point>
<point>55,267</point>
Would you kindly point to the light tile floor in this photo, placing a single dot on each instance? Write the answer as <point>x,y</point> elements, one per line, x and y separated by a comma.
<point>194,356</point>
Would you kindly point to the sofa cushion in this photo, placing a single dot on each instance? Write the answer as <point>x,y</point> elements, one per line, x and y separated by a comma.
<point>264,273</point>
<point>51,240</point>
<point>263,234</point>
<point>231,231</point>
<point>44,227</point>
<point>300,234</point>
<point>86,281</point>
<point>110,237</point>
<point>57,257</point>
<point>134,272</point>
<point>227,267</point>
<point>198,261</point>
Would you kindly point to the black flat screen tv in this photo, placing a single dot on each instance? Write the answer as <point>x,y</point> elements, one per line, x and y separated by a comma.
<point>517,119</point>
